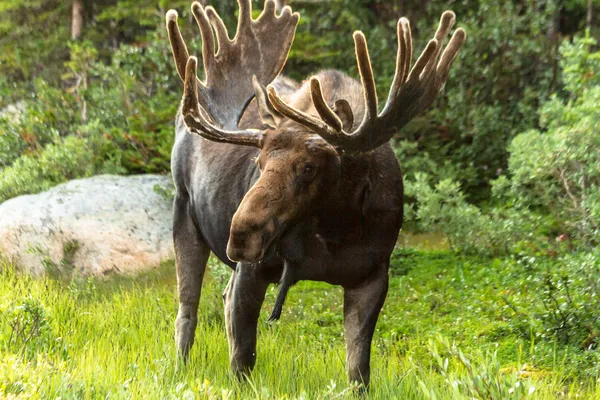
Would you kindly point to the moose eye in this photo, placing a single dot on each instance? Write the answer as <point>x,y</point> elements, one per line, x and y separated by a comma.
<point>309,170</point>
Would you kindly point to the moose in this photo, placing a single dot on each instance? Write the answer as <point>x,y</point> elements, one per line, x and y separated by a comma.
<point>273,175</point>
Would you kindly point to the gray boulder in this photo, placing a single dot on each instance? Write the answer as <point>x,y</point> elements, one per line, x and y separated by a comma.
<point>92,226</point>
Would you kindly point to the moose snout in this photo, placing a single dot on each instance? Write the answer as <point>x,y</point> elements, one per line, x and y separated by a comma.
<point>249,239</point>
<point>245,247</point>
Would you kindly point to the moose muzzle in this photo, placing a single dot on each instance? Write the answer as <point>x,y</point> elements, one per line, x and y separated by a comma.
<point>249,239</point>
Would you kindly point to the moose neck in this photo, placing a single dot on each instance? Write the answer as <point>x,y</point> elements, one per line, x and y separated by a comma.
<point>370,183</point>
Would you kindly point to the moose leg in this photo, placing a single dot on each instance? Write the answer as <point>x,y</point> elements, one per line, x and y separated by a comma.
<point>244,296</point>
<point>362,305</point>
<point>191,255</point>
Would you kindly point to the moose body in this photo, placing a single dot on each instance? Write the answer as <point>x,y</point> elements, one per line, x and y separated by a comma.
<point>294,194</point>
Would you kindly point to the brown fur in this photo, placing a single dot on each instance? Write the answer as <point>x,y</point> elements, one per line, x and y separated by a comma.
<point>293,202</point>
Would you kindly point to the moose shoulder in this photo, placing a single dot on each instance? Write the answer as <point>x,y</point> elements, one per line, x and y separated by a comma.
<point>268,172</point>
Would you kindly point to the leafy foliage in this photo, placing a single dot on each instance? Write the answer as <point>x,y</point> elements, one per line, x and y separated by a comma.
<point>556,168</point>
<point>119,77</point>
<point>486,380</point>
<point>552,186</point>
<point>112,118</point>
<point>66,159</point>
<point>469,229</point>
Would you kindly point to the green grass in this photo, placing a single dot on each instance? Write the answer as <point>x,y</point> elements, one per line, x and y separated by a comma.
<point>94,338</point>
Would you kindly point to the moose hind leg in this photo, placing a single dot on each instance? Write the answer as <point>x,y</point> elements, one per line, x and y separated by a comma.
<point>284,287</point>
<point>362,305</point>
<point>287,280</point>
<point>191,255</point>
<point>244,297</point>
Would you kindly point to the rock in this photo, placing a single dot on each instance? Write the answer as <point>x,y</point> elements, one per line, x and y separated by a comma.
<point>91,226</point>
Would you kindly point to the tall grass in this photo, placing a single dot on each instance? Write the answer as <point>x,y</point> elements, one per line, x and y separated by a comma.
<point>113,338</point>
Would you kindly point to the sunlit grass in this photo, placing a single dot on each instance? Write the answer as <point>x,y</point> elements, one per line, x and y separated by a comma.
<point>94,338</point>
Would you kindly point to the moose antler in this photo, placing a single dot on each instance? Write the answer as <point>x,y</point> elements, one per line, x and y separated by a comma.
<point>412,92</point>
<point>213,108</point>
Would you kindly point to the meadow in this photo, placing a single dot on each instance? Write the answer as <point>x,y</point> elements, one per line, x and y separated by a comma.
<point>453,327</point>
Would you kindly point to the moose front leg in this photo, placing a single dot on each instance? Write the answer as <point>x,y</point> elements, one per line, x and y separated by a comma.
<point>243,298</point>
<point>191,255</point>
<point>362,305</point>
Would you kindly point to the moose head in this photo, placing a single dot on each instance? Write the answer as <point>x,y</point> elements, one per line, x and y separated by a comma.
<point>300,154</point>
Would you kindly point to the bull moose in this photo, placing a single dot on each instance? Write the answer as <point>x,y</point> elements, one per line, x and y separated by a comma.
<point>268,171</point>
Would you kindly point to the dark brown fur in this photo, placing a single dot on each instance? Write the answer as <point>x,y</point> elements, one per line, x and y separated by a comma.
<point>356,204</point>
<point>314,192</point>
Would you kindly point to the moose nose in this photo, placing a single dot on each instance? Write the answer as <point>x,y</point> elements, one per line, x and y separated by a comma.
<point>245,246</point>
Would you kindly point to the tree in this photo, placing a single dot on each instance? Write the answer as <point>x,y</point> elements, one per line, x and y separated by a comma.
<point>77,19</point>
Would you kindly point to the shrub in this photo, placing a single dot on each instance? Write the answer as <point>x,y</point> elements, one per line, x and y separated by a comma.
<point>556,169</point>
<point>506,69</point>
<point>68,158</point>
<point>566,298</point>
<point>28,330</point>
<point>136,97</point>
<point>553,184</point>
<point>443,208</point>
<point>115,118</point>
<point>483,380</point>
<point>50,113</point>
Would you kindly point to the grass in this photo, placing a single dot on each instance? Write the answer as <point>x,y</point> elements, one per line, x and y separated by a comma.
<point>446,332</point>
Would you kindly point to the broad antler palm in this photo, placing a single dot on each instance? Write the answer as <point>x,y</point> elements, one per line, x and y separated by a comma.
<point>412,92</point>
<point>260,47</point>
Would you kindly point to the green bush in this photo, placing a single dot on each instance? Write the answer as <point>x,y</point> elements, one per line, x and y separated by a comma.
<point>50,113</point>
<point>27,329</point>
<point>115,118</point>
<point>135,98</point>
<point>443,208</point>
<point>506,69</point>
<point>565,301</point>
<point>469,380</point>
<point>68,158</point>
<point>557,169</point>
<point>553,184</point>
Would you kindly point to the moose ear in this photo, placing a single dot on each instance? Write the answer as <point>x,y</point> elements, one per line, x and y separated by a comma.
<point>268,114</point>
<point>343,110</point>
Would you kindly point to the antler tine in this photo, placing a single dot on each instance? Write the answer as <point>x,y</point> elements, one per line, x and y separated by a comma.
<point>448,56</point>
<point>189,103</point>
<point>197,122</point>
<point>312,123</point>
<point>219,27</point>
<point>408,42</point>
<point>269,8</point>
<point>403,59</point>
<point>366,74</point>
<point>245,15</point>
<point>424,59</point>
<point>178,47</point>
<point>326,113</point>
<point>446,23</point>
<point>208,41</point>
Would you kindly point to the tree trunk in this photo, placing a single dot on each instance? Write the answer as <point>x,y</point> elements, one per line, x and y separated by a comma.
<point>77,19</point>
